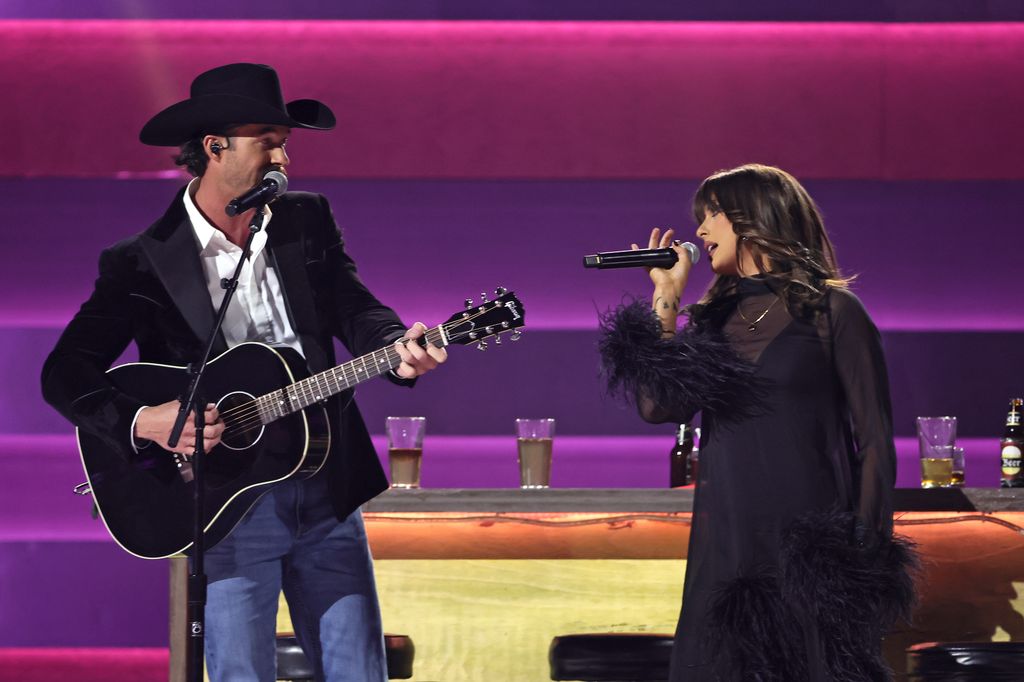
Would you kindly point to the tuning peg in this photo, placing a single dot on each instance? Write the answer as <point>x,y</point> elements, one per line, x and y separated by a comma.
<point>516,335</point>
<point>497,340</point>
<point>472,336</point>
<point>483,297</point>
<point>482,345</point>
<point>469,303</point>
<point>500,291</point>
<point>489,329</point>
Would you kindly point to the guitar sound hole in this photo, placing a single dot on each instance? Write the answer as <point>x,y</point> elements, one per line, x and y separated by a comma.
<point>244,428</point>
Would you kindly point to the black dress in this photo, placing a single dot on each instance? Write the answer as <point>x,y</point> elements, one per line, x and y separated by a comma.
<point>791,571</point>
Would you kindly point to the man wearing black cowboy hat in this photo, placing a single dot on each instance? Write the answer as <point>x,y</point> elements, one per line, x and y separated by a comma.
<point>160,289</point>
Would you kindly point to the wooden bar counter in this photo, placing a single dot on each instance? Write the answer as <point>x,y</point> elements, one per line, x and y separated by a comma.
<point>483,579</point>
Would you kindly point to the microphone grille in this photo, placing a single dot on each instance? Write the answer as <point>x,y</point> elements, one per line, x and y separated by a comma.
<point>694,252</point>
<point>280,178</point>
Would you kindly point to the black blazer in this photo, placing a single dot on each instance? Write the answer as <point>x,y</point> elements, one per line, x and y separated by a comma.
<point>152,290</point>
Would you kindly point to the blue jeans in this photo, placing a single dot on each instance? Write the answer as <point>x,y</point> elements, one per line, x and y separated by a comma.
<point>291,540</point>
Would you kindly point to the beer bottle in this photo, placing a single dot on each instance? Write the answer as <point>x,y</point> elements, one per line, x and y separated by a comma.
<point>679,457</point>
<point>1011,445</point>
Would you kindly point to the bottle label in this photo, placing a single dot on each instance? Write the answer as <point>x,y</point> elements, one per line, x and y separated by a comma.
<point>1011,460</point>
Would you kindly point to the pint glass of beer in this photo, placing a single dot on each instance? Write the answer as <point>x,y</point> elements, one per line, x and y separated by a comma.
<point>937,441</point>
<point>534,438</point>
<point>405,450</point>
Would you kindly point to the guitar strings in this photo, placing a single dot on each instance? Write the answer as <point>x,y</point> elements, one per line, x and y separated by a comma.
<point>302,384</point>
<point>310,380</point>
<point>251,413</point>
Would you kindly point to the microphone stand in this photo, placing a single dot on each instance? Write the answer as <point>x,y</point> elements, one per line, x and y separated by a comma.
<point>191,401</point>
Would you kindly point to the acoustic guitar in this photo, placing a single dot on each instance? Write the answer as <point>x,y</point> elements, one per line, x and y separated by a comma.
<point>276,429</point>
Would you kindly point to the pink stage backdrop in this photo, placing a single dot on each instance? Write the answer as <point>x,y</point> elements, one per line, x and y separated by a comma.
<point>541,99</point>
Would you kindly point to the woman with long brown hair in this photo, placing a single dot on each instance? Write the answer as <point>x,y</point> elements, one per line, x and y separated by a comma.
<point>792,573</point>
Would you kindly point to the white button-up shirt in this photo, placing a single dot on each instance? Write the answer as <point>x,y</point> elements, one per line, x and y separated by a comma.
<point>257,310</point>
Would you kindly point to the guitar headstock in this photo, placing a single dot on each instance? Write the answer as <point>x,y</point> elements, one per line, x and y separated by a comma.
<point>480,321</point>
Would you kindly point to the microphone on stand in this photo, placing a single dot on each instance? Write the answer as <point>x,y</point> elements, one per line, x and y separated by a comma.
<point>641,258</point>
<point>274,182</point>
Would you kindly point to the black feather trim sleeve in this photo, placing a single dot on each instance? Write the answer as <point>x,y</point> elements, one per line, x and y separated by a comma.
<point>670,379</point>
<point>850,594</point>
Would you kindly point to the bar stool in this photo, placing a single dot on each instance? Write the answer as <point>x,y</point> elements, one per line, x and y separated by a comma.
<point>611,657</point>
<point>965,661</point>
<point>292,663</point>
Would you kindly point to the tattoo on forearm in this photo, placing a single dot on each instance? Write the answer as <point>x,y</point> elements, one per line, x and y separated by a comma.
<point>666,305</point>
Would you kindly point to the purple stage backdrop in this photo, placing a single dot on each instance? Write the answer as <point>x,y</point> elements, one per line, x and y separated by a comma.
<point>946,303</point>
<point>477,154</point>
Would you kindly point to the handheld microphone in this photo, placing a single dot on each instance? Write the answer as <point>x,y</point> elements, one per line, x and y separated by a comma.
<point>274,182</point>
<point>642,258</point>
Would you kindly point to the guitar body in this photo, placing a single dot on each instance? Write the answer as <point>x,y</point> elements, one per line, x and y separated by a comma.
<point>142,497</point>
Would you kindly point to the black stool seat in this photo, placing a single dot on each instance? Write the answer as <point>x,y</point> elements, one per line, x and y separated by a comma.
<point>611,657</point>
<point>400,652</point>
<point>292,663</point>
<point>965,661</point>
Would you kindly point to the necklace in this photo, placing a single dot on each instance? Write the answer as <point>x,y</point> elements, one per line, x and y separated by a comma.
<point>752,326</point>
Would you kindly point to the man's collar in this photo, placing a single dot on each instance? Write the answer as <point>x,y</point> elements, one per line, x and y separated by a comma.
<point>202,227</point>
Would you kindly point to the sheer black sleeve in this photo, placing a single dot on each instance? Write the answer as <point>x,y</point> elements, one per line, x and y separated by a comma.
<point>860,364</point>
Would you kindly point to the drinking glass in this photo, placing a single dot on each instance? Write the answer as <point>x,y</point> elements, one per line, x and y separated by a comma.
<point>936,443</point>
<point>405,450</point>
<point>534,438</point>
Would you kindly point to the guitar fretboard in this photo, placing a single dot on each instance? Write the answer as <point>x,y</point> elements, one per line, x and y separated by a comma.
<point>320,387</point>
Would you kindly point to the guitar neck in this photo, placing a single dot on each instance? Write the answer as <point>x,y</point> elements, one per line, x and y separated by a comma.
<point>319,387</point>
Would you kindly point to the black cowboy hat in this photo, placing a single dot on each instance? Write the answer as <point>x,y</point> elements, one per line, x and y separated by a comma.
<point>230,95</point>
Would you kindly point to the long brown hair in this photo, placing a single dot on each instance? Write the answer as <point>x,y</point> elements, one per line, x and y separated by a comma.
<point>776,218</point>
